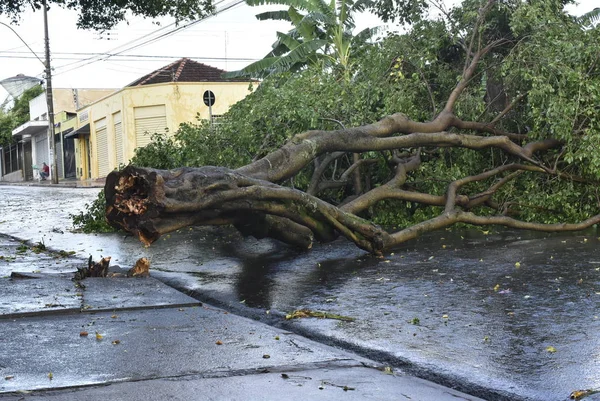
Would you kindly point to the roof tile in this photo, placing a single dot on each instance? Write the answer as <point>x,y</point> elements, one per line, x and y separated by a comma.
<point>184,70</point>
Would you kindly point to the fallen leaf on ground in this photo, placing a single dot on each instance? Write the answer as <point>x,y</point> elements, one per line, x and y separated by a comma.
<point>266,356</point>
<point>116,342</point>
<point>99,336</point>
<point>518,264</point>
<point>579,394</point>
<point>219,342</point>
<point>8,377</point>
<point>301,313</point>
<point>83,334</point>
<point>550,349</point>
<point>50,376</point>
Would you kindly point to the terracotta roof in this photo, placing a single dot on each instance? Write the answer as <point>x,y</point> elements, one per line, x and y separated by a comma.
<point>184,70</point>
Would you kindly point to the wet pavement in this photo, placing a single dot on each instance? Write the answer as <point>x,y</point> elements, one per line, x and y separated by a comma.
<point>120,338</point>
<point>311,383</point>
<point>503,315</point>
<point>509,316</point>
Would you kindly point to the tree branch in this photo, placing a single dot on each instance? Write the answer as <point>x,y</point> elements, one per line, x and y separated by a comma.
<point>303,148</point>
<point>507,109</point>
<point>455,185</point>
<point>384,191</point>
<point>470,218</point>
<point>485,197</point>
<point>320,167</point>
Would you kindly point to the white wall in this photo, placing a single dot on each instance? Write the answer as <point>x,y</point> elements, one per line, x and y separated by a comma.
<point>38,107</point>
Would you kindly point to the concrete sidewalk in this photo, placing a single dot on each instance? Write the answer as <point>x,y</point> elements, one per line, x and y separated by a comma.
<point>137,339</point>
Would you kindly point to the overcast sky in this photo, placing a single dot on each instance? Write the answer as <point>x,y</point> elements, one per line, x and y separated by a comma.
<point>229,40</point>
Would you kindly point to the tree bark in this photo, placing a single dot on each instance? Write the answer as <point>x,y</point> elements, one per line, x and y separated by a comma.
<point>150,203</point>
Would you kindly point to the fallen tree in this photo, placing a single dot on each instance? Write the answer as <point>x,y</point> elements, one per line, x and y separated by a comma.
<point>151,202</point>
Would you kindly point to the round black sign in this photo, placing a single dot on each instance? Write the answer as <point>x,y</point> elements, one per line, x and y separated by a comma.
<point>209,98</point>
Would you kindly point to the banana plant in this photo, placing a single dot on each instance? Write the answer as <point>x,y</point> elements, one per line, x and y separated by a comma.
<point>321,35</point>
<point>590,19</point>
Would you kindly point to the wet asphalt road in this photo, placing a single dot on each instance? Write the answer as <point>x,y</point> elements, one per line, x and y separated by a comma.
<point>502,314</point>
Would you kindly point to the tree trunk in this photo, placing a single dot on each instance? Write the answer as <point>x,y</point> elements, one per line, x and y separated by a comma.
<point>151,202</point>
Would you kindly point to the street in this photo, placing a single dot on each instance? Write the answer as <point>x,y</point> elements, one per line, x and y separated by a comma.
<point>500,315</point>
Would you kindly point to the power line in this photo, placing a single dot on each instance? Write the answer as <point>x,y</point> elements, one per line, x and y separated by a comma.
<point>120,46</point>
<point>14,54</point>
<point>111,53</point>
<point>140,57</point>
<point>22,40</point>
<point>17,47</point>
<point>172,32</point>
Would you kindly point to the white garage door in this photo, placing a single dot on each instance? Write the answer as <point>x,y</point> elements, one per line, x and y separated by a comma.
<point>102,147</point>
<point>118,137</point>
<point>148,121</point>
<point>41,150</point>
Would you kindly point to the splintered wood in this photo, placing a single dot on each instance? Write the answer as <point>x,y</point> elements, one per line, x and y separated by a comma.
<point>100,269</point>
<point>129,198</point>
<point>141,268</point>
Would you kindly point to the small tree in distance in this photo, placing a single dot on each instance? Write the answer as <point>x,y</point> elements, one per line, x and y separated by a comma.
<point>17,115</point>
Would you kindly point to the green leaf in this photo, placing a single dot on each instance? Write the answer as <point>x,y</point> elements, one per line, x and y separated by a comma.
<point>280,15</point>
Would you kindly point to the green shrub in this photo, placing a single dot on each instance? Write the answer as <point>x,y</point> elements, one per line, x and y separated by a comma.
<point>93,219</point>
<point>163,152</point>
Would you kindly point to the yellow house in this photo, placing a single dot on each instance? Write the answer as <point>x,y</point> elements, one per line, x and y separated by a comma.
<point>113,127</point>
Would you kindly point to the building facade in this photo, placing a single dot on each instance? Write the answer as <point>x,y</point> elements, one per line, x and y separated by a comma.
<point>111,128</point>
<point>32,147</point>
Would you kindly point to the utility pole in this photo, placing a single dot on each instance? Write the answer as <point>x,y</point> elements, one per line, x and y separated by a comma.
<point>49,100</point>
